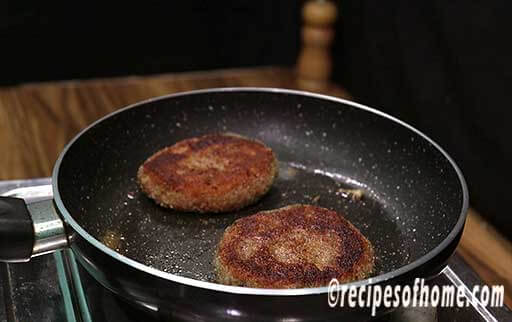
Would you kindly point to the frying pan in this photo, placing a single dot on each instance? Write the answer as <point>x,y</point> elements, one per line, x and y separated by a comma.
<point>413,208</point>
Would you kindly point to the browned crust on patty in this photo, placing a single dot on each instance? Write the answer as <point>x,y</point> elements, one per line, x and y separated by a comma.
<point>211,173</point>
<point>292,247</point>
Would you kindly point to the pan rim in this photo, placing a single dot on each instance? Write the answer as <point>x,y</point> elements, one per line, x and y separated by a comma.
<point>261,291</point>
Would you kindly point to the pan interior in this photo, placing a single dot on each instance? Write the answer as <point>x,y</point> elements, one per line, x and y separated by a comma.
<point>412,195</point>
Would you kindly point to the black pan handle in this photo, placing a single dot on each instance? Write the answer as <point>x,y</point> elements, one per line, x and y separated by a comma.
<point>16,230</point>
<point>29,230</point>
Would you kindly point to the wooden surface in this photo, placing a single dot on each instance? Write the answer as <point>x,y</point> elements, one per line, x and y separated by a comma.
<point>36,121</point>
<point>488,252</point>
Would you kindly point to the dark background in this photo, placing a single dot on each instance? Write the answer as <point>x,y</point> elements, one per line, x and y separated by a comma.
<point>442,66</point>
<point>65,40</point>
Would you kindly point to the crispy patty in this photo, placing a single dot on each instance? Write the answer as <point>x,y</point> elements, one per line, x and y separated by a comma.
<point>292,247</point>
<point>211,173</point>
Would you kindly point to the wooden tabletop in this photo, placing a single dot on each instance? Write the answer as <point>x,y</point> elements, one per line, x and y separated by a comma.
<point>37,120</point>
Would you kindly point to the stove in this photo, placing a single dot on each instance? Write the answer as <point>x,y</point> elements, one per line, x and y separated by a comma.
<point>56,288</point>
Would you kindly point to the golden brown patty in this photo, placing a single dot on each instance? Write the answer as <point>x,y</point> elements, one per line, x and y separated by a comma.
<point>292,247</point>
<point>211,173</point>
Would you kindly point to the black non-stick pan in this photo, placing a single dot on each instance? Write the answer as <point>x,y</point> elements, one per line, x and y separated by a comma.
<point>413,206</point>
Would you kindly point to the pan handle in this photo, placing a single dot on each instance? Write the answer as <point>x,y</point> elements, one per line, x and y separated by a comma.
<point>29,230</point>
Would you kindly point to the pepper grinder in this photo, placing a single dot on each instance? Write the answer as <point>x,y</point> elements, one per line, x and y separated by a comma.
<point>314,63</point>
